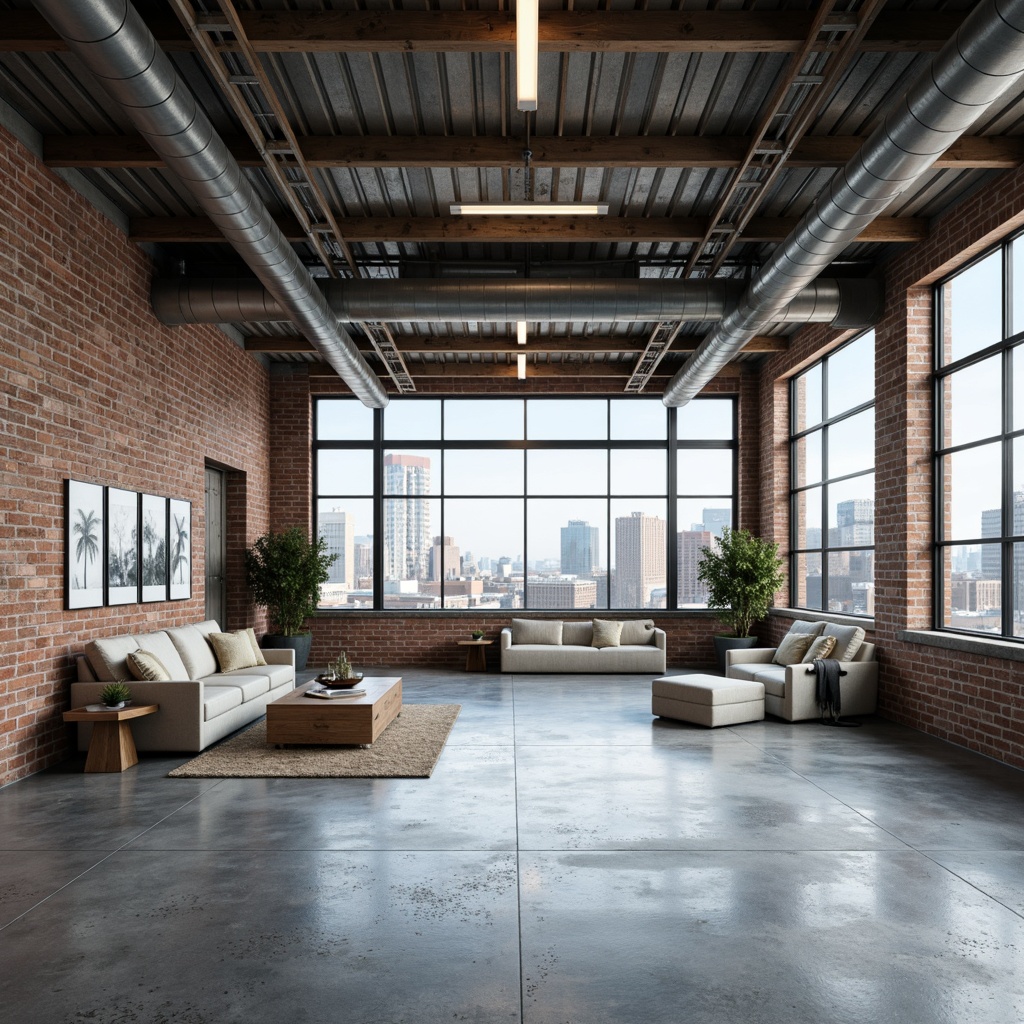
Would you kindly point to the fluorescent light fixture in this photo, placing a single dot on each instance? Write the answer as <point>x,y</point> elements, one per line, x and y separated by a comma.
<point>527,17</point>
<point>521,366</point>
<point>530,209</point>
<point>521,332</point>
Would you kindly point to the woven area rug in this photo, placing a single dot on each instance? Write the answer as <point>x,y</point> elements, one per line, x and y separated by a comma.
<point>407,749</point>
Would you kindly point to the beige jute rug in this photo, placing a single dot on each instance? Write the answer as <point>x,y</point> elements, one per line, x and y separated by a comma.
<point>407,749</point>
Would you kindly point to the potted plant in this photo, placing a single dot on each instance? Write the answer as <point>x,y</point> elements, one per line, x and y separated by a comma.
<point>114,696</point>
<point>477,634</point>
<point>284,572</point>
<point>742,574</point>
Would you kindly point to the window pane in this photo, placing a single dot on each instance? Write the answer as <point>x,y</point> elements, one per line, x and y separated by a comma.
<point>347,526</point>
<point>972,479</point>
<point>411,472</point>
<point>807,581</point>
<point>705,419</point>
<point>412,420</point>
<point>702,514</point>
<point>489,533</point>
<point>807,516</point>
<point>567,471</point>
<point>638,554</point>
<point>639,419</point>
<point>567,553</point>
<point>1018,588</point>
<point>1018,286</point>
<point>344,472</point>
<point>973,597</point>
<point>567,420</point>
<point>639,471</point>
<point>483,472</point>
<point>807,459</point>
<point>483,419</point>
<point>851,511</point>
<point>851,375</point>
<point>704,471</point>
<point>410,525</point>
<point>851,444</point>
<point>1018,376</point>
<point>343,419</point>
<point>851,576</point>
<point>973,402</point>
<point>807,399</point>
<point>973,309</point>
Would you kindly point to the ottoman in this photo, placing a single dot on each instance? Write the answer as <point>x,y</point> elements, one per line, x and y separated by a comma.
<point>707,700</point>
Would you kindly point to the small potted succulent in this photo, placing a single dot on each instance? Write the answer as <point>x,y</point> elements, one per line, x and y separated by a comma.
<point>114,696</point>
<point>477,634</point>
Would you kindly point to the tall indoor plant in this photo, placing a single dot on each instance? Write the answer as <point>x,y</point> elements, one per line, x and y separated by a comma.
<point>742,573</point>
<point>284,572</point>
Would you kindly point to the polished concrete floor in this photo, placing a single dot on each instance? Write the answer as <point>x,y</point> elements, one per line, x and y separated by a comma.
<point>571,861</point>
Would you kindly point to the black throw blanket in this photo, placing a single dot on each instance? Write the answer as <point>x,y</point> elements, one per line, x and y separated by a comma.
<point>829,671</point>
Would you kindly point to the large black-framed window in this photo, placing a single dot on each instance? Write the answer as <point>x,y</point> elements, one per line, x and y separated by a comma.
<point>832,481</point>
<point>979,445</point>
<point>536,503</point>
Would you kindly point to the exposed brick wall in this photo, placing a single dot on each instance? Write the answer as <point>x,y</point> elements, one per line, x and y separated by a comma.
<point>970,699</point>
<point>92,387</point>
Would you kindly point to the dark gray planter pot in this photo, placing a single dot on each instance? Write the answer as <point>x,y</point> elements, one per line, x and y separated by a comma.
<point>730,643</point>
<point>299,644</point>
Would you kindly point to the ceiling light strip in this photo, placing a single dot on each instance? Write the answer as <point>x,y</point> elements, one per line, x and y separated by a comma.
<point>529,209</point>
<point>527,46</point>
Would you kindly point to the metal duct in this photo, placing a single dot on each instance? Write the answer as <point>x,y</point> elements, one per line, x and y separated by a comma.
<point>844,303</point>
<point>983,60</point>
<point>113,42</point>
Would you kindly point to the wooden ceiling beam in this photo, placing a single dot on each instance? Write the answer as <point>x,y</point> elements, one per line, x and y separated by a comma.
<point>680,152</point>
<point>375,230</point>
<point>494,31</point>
<point>544,346</point>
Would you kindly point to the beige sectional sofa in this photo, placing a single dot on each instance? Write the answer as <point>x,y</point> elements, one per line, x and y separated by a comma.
<point>546,645</point>
<point>790,690</point>
<point>200,704</point>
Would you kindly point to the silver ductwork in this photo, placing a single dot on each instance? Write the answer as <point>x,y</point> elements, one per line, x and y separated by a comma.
<point>975,68</point>
<point>113,42</point>
<point>843,303</point>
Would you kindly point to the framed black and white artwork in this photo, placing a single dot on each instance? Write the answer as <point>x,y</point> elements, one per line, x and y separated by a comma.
<point>154,548</point>
<point>179,537</point>
<point>83,544</point>
<point>122,546</point>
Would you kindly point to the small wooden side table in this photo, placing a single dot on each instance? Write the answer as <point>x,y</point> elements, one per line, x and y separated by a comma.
<point>476,655</point>
<point>112,748</point>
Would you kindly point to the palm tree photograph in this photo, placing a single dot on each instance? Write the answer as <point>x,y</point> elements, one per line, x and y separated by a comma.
<point>154,548</point>
<point>180,547</point>
<point>122,546</point>
<point>84,558</point>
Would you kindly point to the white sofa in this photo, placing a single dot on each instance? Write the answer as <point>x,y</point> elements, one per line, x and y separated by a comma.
<point>790,691</point>
<point>573,651</point>
<point>200,704</point>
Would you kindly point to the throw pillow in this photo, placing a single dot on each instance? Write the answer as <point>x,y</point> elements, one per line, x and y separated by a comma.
<point>822,647</point>
<point>606,633</point>
<point>537,631</point>
<point>147,667</point>
<point>637,631</point>
<point>848,639</point>
<point>251,637</point>
<point>804,626</point>
<point>792,648</point>
<point>233,651</point>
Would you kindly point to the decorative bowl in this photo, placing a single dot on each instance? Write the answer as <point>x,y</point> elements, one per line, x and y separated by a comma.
<point>342,684</point>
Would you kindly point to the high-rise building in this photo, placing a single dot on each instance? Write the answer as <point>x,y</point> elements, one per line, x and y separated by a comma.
<point>581,548</point>
<point>689,545</point>
<point>715,518</point>
<point>991,554</point>
<point>855,523</point>
<point>445,563</point>
<point>561,592</point>
<point>639,559</point>
<point>406,517</point>
<point>338,529</point>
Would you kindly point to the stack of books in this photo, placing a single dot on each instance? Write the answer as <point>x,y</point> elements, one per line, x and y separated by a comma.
<point>326,694</point>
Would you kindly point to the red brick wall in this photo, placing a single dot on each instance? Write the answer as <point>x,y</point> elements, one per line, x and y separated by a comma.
<point>92,387</point>
<point>970,699</point>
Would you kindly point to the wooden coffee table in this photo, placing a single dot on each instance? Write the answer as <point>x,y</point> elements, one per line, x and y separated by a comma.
<point>351,721</point>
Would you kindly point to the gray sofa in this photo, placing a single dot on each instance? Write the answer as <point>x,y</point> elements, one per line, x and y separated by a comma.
<point>200,704</point>
<point>790,691</point>
<point>530,645</point>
